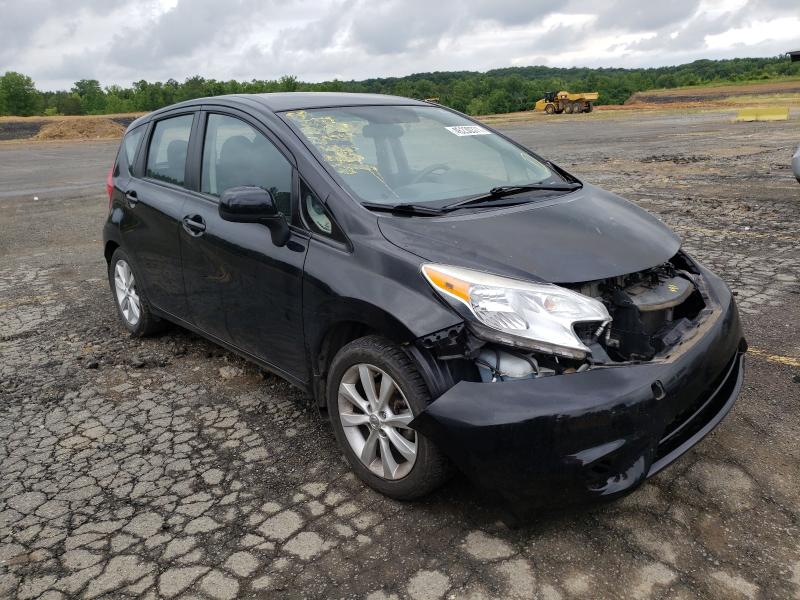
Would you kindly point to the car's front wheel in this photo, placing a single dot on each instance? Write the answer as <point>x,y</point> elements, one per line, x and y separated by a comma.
<point>374,391</point>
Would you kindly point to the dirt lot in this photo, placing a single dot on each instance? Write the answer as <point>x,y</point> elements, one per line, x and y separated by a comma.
<point>167,467</point>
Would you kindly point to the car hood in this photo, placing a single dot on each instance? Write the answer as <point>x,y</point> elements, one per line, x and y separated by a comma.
<point>581,236</point>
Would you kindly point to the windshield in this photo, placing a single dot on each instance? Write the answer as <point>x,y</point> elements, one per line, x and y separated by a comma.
<point>414,154</point>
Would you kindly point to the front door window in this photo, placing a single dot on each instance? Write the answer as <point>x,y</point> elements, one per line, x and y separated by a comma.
<point>235,154</point>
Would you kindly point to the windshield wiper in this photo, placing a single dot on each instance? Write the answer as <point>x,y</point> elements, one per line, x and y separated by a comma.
<point>507,190</point>
<point>496,193</point>
<point>403,209</point>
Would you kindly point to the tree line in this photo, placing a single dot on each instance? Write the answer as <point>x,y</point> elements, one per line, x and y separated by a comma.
<point>496,91</point>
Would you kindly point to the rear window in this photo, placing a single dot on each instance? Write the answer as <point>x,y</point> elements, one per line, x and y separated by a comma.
<point>166,158</point>
<point>130,144</point>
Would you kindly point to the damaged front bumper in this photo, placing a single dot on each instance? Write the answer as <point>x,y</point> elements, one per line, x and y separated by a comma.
<point>596,434</point>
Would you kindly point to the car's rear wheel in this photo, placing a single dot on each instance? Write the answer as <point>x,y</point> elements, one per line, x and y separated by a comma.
<point>374,391</point>
<point>132,304</point>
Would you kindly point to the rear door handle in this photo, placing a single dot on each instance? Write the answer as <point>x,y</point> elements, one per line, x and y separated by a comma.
<point>194,225</point>
<point>131,197</point>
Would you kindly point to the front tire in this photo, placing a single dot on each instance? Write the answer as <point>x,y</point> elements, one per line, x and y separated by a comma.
<point>374,391</point>
<point>133,307</point>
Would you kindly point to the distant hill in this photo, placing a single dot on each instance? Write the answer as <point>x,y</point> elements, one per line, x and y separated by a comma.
<point>497,91</point>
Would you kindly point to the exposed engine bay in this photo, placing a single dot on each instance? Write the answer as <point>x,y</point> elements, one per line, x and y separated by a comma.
<point>650,311</point>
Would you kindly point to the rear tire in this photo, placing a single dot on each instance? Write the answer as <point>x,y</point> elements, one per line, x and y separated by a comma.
<point>374,390</point>
<point>130,299</point>
<point>589,107</point>
<point>569,108</point>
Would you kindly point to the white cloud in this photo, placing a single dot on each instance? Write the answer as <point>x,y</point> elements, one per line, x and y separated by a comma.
<point>780,29</point>
<point>58,42</point>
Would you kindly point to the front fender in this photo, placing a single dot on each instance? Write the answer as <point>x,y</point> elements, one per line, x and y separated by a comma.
<point>377,284</point>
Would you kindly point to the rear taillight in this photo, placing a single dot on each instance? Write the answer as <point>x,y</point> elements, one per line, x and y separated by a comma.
<point>110,186</point>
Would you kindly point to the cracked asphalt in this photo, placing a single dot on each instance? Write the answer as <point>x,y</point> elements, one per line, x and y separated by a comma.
<point>167,467</point>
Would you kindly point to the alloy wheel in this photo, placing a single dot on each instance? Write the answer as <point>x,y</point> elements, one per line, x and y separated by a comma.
<point>375,414</point>
<point>128,299</point>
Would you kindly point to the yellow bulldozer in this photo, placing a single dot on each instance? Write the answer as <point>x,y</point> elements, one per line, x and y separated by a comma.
<point>566,102</point>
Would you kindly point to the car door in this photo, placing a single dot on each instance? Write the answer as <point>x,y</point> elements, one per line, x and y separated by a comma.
<point>240,287</point>
<point>154,208</point>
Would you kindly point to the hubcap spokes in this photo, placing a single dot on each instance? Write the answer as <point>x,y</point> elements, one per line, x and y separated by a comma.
<point>375,415</point>
<point>127,297</point>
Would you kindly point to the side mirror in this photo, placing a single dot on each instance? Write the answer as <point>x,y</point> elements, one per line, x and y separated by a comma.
<point>248,204</point>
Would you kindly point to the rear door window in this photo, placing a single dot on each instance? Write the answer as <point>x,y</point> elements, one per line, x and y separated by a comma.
<point>235,154</point>
<point>169,145</point>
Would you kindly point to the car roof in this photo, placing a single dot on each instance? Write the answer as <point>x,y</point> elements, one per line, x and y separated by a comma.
<point>299,100</point>
<point>281,101</point>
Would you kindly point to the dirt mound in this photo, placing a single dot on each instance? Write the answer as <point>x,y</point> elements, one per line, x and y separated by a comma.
<point>716,92</point>
<point>80,129</point>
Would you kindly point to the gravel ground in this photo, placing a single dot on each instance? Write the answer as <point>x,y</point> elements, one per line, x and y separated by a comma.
<point>168,467</point>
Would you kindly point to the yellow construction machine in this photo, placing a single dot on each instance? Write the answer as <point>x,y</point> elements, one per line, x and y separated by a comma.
<point>558,102</point>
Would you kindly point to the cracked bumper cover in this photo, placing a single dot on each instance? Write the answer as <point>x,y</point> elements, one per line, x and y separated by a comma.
<point>597,434</point>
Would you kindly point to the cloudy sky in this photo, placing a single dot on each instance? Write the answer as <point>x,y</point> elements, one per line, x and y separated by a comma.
<point>59,41</point>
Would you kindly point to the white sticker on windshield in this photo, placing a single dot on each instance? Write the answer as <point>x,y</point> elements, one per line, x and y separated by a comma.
<point>462,130</point>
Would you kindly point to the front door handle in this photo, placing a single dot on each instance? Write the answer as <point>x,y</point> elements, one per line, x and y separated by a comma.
<point>194,225</point>
<point>131,197</point>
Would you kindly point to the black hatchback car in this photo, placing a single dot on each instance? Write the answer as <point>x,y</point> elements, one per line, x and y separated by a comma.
<point>448,295</point>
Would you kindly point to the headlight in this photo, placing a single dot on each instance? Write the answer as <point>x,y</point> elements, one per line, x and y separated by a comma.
<point>538,316</point>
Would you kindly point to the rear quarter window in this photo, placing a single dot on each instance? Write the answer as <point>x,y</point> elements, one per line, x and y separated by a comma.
<point>130,144</point>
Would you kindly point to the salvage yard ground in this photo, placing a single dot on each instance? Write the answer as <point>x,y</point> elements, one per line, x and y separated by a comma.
<point>167,467</point>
